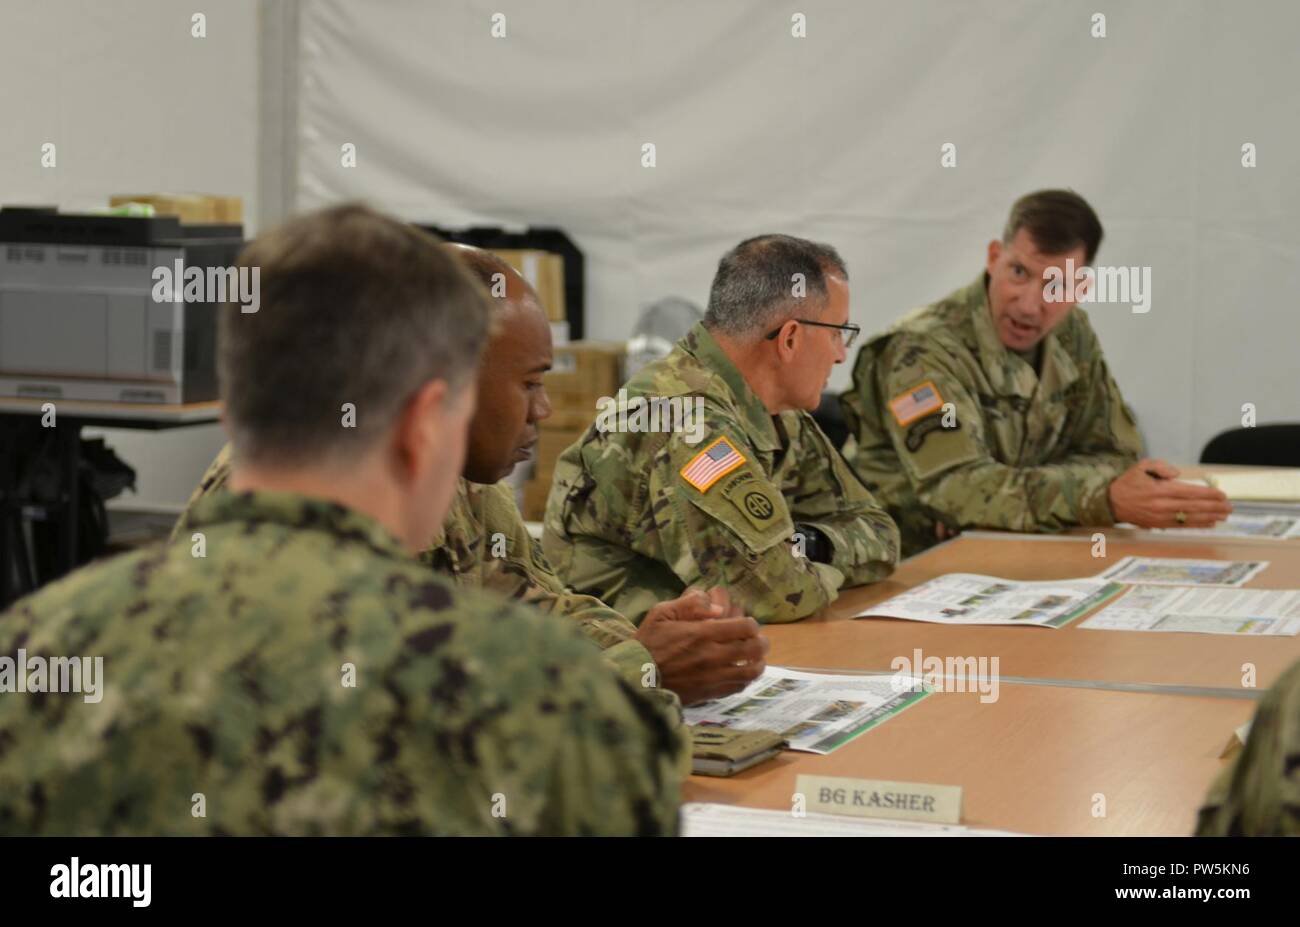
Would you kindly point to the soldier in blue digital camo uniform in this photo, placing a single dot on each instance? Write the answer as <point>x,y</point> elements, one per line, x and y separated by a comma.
<point>748,494</point>
<point>287,666</point>
<point>994,407</point>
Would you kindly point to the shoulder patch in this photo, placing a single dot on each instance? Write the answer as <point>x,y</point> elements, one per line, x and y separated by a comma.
<point>746,494</point>
<point>712,464</point>
<point>917,433</point>
<point>915,403</point>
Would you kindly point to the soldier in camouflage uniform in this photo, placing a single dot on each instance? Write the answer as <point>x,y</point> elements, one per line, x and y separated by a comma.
<point>699,646</point>
<point>994,408</point>
<point>748,493</point>
<point>484,543</point>
<point>1258,794</point>
<point>294,669</point>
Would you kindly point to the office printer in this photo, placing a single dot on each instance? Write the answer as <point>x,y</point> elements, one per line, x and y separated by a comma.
<point>80,313</point>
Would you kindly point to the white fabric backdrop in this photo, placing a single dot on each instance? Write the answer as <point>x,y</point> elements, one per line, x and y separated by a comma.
<point>837,137</point>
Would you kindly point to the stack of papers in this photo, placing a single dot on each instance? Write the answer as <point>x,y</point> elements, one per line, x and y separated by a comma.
<point>969,598</point>
<point>1250,520</point>
<point>1179,571</point>
<point>1140,594</point>
<point>815,712</point>
<point>1205,610</point>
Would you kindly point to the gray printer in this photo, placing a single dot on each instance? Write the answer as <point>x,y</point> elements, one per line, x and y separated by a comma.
<point>79,313</point>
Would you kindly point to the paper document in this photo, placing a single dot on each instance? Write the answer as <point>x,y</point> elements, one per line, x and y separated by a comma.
<point>1205,609</point>
<point>1248,521</point>
<point>1258,485</point>
<point>967,598</point>
<point>1179,571</point>
<point>815,712</point>
<point>701,819</point>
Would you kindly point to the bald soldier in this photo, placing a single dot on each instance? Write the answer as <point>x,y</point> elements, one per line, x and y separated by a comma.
<point>711,470</point>
<point>484,543</point>
<point>1258,794</point>
<point>289,667</point>
<point>994,408</point>
<point>697,646</point>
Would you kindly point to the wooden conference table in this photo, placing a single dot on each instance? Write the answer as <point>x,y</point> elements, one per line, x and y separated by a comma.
<point>832,640</point>
<point>1139,719</point>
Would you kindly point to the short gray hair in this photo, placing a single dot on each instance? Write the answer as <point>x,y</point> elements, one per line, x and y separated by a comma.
<point>753,288</point>
<point>357,307</point>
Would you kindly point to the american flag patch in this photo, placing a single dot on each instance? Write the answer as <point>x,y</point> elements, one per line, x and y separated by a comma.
<point>916,402</point>
<point>712,464</point>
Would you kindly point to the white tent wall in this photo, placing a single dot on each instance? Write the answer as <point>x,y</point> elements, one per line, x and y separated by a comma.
<point>837,137</point>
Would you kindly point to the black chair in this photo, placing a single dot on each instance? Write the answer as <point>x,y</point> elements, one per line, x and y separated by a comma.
<point>830,417</point>
<point>1261,446</point>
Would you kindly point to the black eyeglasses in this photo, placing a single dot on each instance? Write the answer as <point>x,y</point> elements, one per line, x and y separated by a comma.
<point>849,333</point>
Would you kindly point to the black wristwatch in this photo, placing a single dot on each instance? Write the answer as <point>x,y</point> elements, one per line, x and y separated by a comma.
<point>817,547</point>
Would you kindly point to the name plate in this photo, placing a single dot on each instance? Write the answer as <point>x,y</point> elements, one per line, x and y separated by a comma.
<point>875,798</point>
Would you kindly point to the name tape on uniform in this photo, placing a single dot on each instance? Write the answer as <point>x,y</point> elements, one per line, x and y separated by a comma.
<point>876,798</point>
<point>712,464</point>
<point>915,403</point>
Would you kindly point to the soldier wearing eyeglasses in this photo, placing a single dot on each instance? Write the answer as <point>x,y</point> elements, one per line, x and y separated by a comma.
<point>759,502</point>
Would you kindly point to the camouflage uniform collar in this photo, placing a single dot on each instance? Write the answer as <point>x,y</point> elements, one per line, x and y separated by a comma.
<point>993,353</point>
<point>755,417</point>
<point>1011,374</point>
<point>295,511</point>
<point>459,503</point>
<point>1059,368</point>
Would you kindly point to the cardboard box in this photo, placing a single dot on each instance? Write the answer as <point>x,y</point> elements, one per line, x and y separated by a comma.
<point>188,207</point>
<point>552,442</point>
<point>544,271</point>
<point>536,492</point>
<point>584,371</point>
<point>571,416</point>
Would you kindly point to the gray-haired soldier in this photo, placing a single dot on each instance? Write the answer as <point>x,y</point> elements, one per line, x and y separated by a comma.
<point>752,496</point>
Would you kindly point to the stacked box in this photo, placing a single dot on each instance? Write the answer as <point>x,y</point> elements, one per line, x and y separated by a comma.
<point>544,271</point>
<point>583,373</point>
<point>535,493</point>
<point>190,208</point>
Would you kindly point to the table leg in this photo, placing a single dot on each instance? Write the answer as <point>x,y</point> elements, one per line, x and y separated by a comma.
<point>70,458</point>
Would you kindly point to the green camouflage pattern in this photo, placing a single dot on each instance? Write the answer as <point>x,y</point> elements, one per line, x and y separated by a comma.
<point>1258,793</point>
<point>225,677</point>
<point>623,524</point>
<point>485,544</point>
<point>464,551</point>
<point>1020,450</point>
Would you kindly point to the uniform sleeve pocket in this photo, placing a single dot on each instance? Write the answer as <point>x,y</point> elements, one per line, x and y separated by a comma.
<point>744,506</point>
